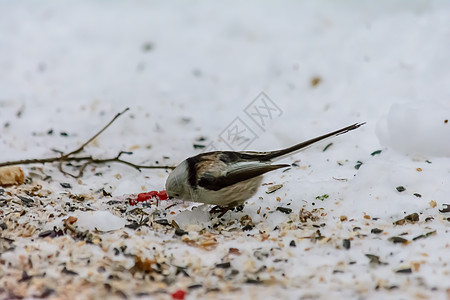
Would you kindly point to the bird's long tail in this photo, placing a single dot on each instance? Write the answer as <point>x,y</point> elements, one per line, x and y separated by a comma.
<point>280,153</point>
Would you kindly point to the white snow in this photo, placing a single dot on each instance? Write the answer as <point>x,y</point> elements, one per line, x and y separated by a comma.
<point>187,70</point>
<point>99,220</point>
<point>417,128</point>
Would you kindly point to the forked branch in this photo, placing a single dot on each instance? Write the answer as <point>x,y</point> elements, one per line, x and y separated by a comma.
<point>86,160</point>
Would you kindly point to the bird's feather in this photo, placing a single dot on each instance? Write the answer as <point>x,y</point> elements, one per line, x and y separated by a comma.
<point>236,173</point>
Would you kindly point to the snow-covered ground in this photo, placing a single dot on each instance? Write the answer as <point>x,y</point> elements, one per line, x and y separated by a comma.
<point>192,73</point>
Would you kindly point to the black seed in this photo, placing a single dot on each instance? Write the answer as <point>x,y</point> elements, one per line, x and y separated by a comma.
<point>404,271</point>
<point>69,272</point>
<point>393,287</point>
<point>346,243</point>
<point>63,133</point>
<point>26,201</point>
<point>225,265</point>
<point>292,244</point>
<point>180,232</point>
<point>422,236</point>
<point>417,195</point>
<point>253,281</point>
<point>358,165</point>
<point>65,185</point>
<point>400,189</point>
<point>376,231</point>
<point>3,226</point>
<point>106,194</point>
<point>414,217</point>
<point>198,146</point>
<point>247,227</point>
<point>356,228</point>
<point>285,210</point>
<point>133,225</point>
<point>397,240</point>
<point>375,152</point>
<point>194,286</point>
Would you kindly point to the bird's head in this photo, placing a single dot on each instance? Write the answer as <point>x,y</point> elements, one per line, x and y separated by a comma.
<point>177,185</point>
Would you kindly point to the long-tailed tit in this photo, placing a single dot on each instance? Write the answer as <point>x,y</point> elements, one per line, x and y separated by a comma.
<point>228,178</point>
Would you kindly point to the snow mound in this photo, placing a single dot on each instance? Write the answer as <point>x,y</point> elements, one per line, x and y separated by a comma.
<point>100,220</point>
<point>416,128</point>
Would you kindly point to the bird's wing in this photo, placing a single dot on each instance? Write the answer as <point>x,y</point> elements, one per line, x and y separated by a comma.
<point>236,173</point>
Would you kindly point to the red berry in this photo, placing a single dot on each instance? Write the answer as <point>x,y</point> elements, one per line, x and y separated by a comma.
<point>142,197</point>
<point>146,196</point>
<point>162,195</point>
<point>179,295</point>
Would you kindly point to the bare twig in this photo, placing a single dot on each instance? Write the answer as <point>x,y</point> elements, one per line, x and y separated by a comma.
<point>96,135</point>
<point>87,160</point>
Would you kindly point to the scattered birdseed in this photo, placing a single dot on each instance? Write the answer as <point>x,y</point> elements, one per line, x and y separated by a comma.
<point>398,240</point>
<point>376,231</point>
<point>285,210</point>
<point>374,259</point>
<point>358,165</point>
<point>376,152</point>
<point>404,271</point>
<point>225,265</point>
<point>400,189</point>
<point>273,188</point>
<point>346,243</point>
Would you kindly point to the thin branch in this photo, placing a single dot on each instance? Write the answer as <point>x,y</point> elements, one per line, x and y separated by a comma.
<point>42,160</point>
<point>87,160</point>
<point>96,135</point>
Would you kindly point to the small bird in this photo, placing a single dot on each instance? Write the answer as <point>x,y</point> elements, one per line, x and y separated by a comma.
<point>228,178</point>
